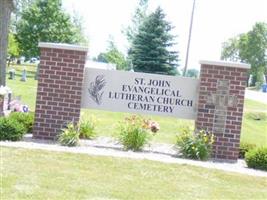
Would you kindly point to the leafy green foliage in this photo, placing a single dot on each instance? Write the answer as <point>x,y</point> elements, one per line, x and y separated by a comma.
<point>69,136</point>
<point>87,129</point>
<point>13,48</point>
<point>195,146</point>
<point>10,129</point>
<point>244,148</point>
<point>230,49</point>
<point>114,56</point>
<point>249,47</point>
<point>26,119</point>
<point>138,18</point>
<point>257,158</point>
<point>134,132</point>
<point>45,21</point>
<point>150,51</point>
<point>192,73</point>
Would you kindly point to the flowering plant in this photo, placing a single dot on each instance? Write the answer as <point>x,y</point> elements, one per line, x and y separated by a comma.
<point>153,126</point>
<point>18,107</point>
<point>3,90</point>
<point>195,146</point>
<point>134,132</point>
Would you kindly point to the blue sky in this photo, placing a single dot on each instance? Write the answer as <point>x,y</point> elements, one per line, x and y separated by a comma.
<point>215,21</point>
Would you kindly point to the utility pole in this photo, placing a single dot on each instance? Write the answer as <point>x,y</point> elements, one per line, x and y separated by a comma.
<point>189,38</point>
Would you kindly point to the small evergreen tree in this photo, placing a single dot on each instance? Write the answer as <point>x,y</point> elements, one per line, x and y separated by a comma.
<point>150,50</point>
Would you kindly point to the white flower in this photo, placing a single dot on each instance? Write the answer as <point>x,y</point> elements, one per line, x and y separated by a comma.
<point>4,90</point>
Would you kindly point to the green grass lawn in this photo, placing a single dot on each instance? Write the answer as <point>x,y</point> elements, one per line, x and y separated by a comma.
<point>35,174</point>
<point>253,131</point>
<point>26,90</point>
<point>254,106</point>
<point>30,67</point>
<point>107,122</point>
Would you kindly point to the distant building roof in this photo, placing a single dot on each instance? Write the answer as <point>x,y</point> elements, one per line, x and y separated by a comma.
<point>100,65</point>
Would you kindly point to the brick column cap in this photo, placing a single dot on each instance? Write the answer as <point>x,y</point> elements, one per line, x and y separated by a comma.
<point>225,64</point>
<point>62,46</point>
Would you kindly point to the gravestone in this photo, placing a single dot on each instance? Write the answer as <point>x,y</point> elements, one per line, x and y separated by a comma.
<point>5,93</point>
<point>24,75</point>
<point>12,74</point>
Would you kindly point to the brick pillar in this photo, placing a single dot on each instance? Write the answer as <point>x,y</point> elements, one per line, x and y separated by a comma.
<point>59,88</point>
<point>220,105</point>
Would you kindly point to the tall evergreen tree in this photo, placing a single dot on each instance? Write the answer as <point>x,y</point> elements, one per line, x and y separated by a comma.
<point>137,19</point>
<point>150,50</point>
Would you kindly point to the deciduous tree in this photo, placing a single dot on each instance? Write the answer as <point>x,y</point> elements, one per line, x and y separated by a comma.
<point>114,56</point>
<point>46,21</point>
<point>250,47</point>
<point>192,73</point>
<point>13,48</point>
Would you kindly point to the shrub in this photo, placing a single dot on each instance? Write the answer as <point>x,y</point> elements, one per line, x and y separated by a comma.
<point>195,146</point>
<point>10,129</point>
<point>87,129</point>
<point>26,119</point>
<point>69,136</point>
<point>244,148</point>
<point>134,132</point>
<point>257,158</point>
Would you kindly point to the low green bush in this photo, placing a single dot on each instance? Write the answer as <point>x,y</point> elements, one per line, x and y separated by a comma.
<point>244,148</point>
<point>87,129</point>
<point>257,158</point>
<point>69,136</point>
<point>195,145</point>
<point>11,129</point>
<point>26,119</point>
<point>135,132</point>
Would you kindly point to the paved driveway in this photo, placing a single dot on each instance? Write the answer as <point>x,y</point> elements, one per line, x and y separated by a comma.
<point>257,96</point>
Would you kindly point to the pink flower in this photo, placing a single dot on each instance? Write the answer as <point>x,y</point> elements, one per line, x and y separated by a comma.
<point>17,108</point>
<point>154,126</point>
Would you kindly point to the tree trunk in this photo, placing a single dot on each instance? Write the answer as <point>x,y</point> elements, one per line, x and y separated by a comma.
<point>6,7</point>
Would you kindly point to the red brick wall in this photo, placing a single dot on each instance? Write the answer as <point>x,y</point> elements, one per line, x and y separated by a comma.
<point>59,90</point>
<point>220,107</point>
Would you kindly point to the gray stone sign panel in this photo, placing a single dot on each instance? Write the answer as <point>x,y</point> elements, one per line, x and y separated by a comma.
<point>140,93</point>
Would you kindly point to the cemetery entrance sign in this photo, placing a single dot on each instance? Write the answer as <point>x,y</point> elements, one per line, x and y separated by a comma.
<point>215,100</point>
<point>140,93</point>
